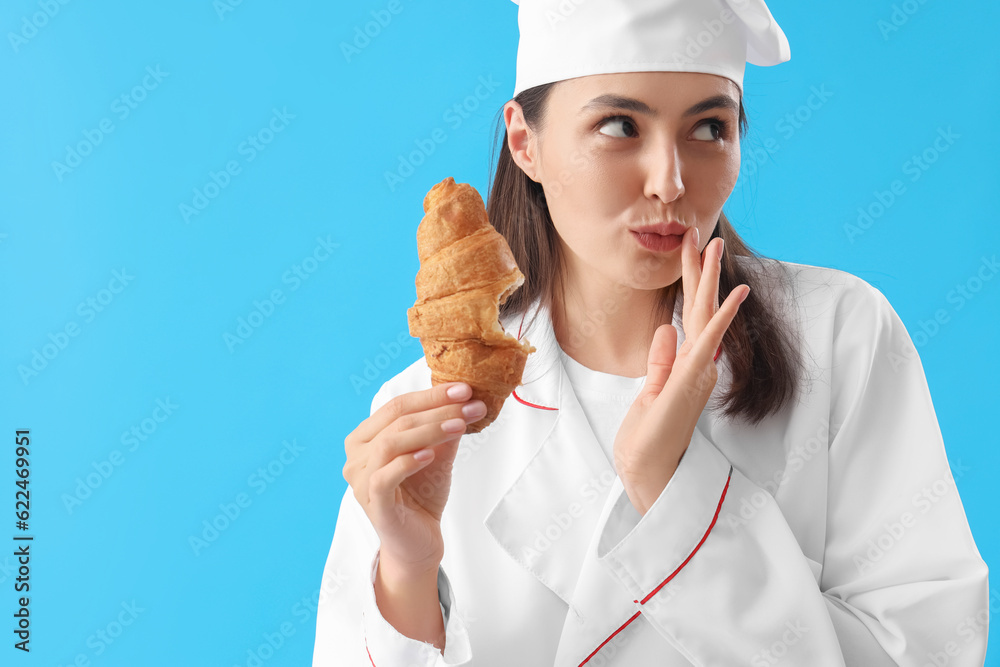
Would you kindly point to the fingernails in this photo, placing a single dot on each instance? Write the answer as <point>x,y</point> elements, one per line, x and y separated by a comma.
<point>477,409</point>
<point>453,425</point>
<point>459,391</point>
<point>697,237</point>
<point>746,293</point>
<point>722,243</point>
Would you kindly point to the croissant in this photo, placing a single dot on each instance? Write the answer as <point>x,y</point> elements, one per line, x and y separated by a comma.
<point>466,271</point>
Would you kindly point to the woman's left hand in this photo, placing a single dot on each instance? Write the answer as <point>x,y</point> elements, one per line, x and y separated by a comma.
<point>658,427</point>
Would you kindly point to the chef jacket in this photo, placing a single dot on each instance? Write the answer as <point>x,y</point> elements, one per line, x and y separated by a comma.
<point>830,533</point>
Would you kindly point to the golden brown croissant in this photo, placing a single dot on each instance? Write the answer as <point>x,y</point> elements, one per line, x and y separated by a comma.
<point>466,271</point>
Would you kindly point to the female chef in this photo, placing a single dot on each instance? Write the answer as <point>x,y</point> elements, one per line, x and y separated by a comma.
<point>678,481</point>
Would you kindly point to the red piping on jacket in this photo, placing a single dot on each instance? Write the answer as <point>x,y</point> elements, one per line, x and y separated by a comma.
<point>542,407</point>
<point>655,590</point>
<point>672,575</point>
<point>518,398</point>
<point>665,581</point>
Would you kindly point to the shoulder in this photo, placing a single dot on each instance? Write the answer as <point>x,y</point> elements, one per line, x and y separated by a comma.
<point>819,293</point>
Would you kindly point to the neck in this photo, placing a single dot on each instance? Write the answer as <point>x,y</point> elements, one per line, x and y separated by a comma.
<point>607,326</point>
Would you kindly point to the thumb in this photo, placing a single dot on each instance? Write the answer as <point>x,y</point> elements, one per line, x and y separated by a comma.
<point>661,359</point>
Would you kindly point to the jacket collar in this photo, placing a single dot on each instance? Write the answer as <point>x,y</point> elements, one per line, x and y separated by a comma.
<point>547,519</point>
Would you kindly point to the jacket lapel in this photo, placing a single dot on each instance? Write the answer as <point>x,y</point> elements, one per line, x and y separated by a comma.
<point>546,519</point>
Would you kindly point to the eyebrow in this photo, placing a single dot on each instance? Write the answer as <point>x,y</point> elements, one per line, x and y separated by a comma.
<point>638,106</point>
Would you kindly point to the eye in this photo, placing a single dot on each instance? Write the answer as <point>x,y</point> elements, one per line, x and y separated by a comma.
<point>718,123</point>
<point>628,129</point>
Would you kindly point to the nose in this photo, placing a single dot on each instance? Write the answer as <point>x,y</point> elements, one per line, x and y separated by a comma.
<point>663,176</point>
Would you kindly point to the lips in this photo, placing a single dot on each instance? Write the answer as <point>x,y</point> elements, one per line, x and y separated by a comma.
<point>658,242</point>
<point>662,228</point>
<point>660,237</point>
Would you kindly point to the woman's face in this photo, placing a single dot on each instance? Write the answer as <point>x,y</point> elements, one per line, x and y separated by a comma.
<point>616,152</point>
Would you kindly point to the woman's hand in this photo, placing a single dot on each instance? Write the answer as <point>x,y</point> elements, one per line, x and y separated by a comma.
<point>658,427</point>
<point>404,497</point>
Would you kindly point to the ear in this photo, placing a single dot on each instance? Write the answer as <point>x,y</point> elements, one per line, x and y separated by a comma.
<point>521,141</point>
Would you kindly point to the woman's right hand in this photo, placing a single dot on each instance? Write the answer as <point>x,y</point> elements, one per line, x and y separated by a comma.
<point>404,497</point>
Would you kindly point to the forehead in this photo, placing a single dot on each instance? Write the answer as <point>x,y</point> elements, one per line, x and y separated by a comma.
<point>671,92</point>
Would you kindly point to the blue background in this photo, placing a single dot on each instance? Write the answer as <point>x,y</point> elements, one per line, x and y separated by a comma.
<point>227,72</point>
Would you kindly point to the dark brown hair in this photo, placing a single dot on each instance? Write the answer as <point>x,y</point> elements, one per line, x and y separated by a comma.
<point>760,345</point>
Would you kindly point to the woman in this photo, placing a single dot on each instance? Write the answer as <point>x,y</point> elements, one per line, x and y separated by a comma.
<point>693,472</point>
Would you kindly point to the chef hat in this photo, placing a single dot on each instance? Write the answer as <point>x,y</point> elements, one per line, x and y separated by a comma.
<point>564,39</point>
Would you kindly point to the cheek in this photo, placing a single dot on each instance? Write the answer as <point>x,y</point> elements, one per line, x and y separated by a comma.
<point>588,187</point>
<point>711,182</point>
<point>733,168</point>
<point>568,175</point>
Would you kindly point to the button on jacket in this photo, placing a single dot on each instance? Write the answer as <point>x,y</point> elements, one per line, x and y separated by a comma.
<point>832,533</point>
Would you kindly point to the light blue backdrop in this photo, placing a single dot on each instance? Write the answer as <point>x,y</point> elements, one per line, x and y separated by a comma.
<point>201,298</point>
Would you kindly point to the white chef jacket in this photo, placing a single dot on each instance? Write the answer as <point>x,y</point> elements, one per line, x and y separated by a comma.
<point>831,533</point>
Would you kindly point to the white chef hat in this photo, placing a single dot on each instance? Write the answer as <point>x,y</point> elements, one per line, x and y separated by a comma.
<point>564,39</point>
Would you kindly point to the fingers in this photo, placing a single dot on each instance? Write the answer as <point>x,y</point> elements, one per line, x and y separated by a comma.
<point>413,432</point>
<point>661,359</point>
<point>410,403</point>
<point>690,273</point>
<point>710,338</point>
<point>707,299</point>
<point>700,279</point>
<point>383,485</point>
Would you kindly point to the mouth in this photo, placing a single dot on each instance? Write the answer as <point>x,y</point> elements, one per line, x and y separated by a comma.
<point>657,242</point>
<point>671,228</point>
